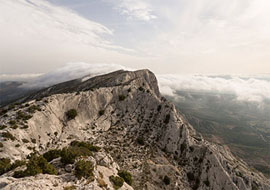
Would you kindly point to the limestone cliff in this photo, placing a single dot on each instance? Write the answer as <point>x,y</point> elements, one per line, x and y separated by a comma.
<point>137,130</point>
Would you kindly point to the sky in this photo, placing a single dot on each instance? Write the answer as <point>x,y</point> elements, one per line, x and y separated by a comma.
<point>167,37</point>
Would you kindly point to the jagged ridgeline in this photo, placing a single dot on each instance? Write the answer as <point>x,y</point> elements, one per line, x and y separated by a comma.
<point>113,131</point>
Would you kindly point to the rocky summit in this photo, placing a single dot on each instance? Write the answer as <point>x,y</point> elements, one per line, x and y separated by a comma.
<point>113,131</point>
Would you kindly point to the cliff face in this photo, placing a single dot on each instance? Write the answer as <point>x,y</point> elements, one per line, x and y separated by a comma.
<point>138,131</point>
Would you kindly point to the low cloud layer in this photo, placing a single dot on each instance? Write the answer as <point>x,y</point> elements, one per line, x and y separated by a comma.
<point>72,71</point>
<point>251,89</point>
<point>245,88</point>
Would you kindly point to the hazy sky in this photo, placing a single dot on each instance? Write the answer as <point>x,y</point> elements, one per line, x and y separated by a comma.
<point>172,36</point>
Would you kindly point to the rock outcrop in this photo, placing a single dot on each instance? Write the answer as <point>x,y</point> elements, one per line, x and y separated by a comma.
<point>137,130</point>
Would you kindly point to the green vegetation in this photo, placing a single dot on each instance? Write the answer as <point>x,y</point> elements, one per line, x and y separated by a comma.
<point>6,166</point>
<point>167,119</point>
<point>207,183</point>
<point>166,180</point>
<point>85,145</point>
<point>141,88</point>
<point>32,109</point>
<point>12,122</point>
<point>122,97</point>
<point>2,127</point>
<point>36,165</point>
<point>68,155</point>
<point>23,116</point>
<point>83,169</point>
<point>71,114</point>
<point>116,181</point>
<point>25,141</point>
<point>140,141</point>
<point>126,176</point>
<point>101,112</point>
<point>8,135</point>
<point>52,154</point>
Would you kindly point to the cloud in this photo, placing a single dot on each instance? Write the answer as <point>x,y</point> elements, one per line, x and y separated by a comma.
<point>136,9</point>
<point>18,77</point>
<point>72,71</point>
<point>245,89</point>
<point>37,36</point>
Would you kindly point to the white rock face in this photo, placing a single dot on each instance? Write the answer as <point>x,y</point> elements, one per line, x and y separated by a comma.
<point>138,130</point>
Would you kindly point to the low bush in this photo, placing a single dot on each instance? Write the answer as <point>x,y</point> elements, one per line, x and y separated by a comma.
<point>8,135</point>
<point>25,141</point>
<point>83,169</point>
<point>116,181</point>
<point>122,97</point>
<point>166,180</point>
<point>101,112</point>
<point>68,155</point>
<point>23,116</point>
<point>1,145</point>
<point>126,176</point>
<point>167,119</point>
<point>6,166</point>
<point>33,108</point>
<point>12,122</point>
<point>71,114</point>
<point>52,154</point>
<point>85,145</point>
<point>36,165</point>
<point>140,141</point>
<point>2,127</point>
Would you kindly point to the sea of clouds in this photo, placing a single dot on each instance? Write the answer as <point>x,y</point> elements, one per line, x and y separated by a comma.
<point>254,88</point>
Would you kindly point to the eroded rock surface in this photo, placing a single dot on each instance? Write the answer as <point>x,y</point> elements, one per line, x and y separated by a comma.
<point>138,131</point>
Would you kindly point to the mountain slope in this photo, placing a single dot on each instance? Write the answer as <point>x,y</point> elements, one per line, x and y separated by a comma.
<point>138,131</point>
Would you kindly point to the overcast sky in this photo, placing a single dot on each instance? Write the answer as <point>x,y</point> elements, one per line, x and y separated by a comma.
<point>172,36</point>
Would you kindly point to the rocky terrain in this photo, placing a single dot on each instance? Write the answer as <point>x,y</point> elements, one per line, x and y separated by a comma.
<point>125,136</point>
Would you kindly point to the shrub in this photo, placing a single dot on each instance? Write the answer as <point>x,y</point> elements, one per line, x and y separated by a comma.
<point>167,119</point>
<point>8,135</point>
<point>122,97</point>
<point>4,165</point>
<point>25,141</point>
<point>166,180</point>
<point>68,155</point>
<point>17,145</point>
<point>190,176</point>
<point>36,165</point>
<point>84,169</point>
<point>33,141</point>
<point>101,112</point>
<point>141,88</point>
<point>17,163</point>
<point>159,108</point>
<point>183,147</point>
<point>71,114</point>
<point>126,176</point>
<point>33,108</point>
<point>1,145</point>
<point>85,145</point>
<point>72,187</point>
<point>14,126</point>
<point>12,122</point>
<point>117,181</point>
<point>2,127</point>
<point>207,183</point>
<point>52,154</point>
<point>24,127</point>
<point>23,116</point>
<point>140,141</point>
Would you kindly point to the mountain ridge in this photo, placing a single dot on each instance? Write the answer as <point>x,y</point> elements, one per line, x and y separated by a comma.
<point>137,129</point>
